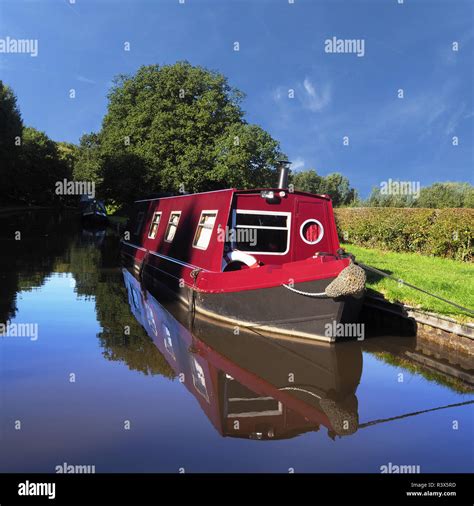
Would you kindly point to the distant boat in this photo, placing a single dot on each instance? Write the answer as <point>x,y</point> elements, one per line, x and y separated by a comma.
<point>267,259</point>
<point>93,212</point>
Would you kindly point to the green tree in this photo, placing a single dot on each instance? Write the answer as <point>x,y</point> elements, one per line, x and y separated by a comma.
<point>307,181</point>
<point>244,157</point>
<point>122,175</point>
<point>449,194</point>
<point>40,168</point>
<point>11,126</point>
<point>88,159</point>
<point>335,185</point>
<point>435,196</point>
<point>338,188</point>
<point>379,199</point>
<point>181,125</point>
<point>67,153</point>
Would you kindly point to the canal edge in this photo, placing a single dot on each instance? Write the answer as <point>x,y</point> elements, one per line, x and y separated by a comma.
<point>435,327</point>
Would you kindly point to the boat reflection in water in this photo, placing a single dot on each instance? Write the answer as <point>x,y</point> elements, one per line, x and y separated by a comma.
<point>250,385</point>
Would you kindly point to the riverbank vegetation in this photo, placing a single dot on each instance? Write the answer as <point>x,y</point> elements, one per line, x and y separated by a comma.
<point>444,277</point>
<point>435,196</point>
<point>31,162</point>
<point>445,233</point>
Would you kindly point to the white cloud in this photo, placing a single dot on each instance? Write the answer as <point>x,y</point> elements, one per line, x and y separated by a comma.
<point>297,164</point>
<point>278,94</point>
<point>86,80</point>
<point>456,116</point>
<point>315,98</point>
<point>311,97</point>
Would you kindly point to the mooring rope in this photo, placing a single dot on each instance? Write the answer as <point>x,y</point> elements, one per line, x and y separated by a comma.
<point>299,389</point>
<point>308,294</point>
<point>399,417</point>
<point>381,273</point>
<point>192,303</point>
<point>350,281</point>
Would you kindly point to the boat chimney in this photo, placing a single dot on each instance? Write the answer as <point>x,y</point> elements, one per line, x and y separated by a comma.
<point>284,171</point>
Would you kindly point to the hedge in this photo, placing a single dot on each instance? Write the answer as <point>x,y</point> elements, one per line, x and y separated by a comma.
<point>440,232</point>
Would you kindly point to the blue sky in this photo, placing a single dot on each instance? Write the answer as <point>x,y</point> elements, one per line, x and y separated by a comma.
<point>282,47</point>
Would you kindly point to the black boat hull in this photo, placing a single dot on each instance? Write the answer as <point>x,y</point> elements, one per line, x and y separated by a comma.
<point>94,220</point>
<point>276,310</point>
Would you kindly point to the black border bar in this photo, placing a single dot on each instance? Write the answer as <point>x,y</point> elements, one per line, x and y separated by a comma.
<point>241,489</point>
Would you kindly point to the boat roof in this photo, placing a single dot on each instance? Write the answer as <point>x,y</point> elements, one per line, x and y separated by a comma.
<point>238,192</point>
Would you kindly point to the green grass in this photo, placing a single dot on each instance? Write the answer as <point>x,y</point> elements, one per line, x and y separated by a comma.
<point>447,278</point>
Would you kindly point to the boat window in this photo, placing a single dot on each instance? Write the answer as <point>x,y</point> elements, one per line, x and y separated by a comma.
<point>311,231</point>
<point>204,229</point>
<point>199,378</point>
<point>140,217</point>
<point>155,222</point>
<point>172,226</point>
<point>262,232</point>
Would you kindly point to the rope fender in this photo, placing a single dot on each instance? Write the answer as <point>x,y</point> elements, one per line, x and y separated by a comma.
<point>350,281</point>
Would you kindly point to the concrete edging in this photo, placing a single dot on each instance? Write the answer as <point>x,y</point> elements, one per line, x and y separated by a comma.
<point>432,326</point>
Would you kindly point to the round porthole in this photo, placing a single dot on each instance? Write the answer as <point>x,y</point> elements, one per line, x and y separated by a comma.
<point>311,231</point>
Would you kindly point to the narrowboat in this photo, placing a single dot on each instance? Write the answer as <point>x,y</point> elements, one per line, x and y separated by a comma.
<point>267,259</point>
<point>248,385</point>
<point>93,212</point>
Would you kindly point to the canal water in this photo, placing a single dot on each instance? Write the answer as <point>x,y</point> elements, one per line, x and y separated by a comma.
<point>99,369</point>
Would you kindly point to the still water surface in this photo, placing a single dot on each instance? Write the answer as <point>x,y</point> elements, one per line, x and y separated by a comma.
<point>117,378</point>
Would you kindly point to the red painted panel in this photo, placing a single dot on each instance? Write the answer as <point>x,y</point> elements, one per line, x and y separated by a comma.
<point>190,206</point>
<point>302,206</point>
<point>267,276</point>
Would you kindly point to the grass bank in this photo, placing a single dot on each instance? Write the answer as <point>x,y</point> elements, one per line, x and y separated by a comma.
<point>447,278</point>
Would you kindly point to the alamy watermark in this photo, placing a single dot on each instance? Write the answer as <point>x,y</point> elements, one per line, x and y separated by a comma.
<point>237,235</point>
<point>35,489</point>
<point>391,187</point>
<point>66,468</point>
<point>9,329</point>
<point>352,330</point>
<point>10,45</point>
<point>345,46</point>
<point>399,469</point>
<point>66,187</point>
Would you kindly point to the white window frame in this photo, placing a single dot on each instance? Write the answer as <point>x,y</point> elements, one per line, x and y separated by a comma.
<point>321,231</point>
<point>168,340</point>
<point>253,414</point>
<point>207,211</point>
<point>200,386</point>
<point>156,213</point>
<point>169,223</point>
<point>274,213</point>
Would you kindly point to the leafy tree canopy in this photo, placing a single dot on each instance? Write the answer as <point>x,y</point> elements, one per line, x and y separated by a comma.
<point>448,194</point>
<point>335,185</point>
<point>437,195</point>
<point>88,159</point>
<point>11,126</point>
<point>40,168</point>
<point>179,127</point>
